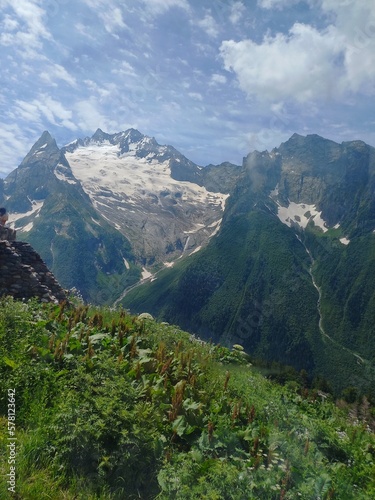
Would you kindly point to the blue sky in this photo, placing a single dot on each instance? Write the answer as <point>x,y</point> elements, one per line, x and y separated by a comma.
<point>215,79</point>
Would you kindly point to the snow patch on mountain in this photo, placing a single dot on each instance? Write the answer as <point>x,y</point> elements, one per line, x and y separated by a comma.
<point>61,171</point>
<point>14,217</point>
<point>146,274</point>
<point>344,241</point>
<point>196,228</point>
<point>28,227</point>
<point>301,214</point>
<point>101,165</point>
<point>133,188</point>
<point>275,192</point>
<point>217,228</point>
<point>196,250</point>
<point>168,264</point>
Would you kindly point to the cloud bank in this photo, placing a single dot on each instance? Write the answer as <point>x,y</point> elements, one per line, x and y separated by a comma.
<point>214,79</point>
<point>307,63</point>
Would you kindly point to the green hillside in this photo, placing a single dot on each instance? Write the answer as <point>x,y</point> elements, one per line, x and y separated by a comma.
<point>77,243</point>
<point>237,288</point>
<point>252,285</point>
<point>287,290</point>
<point>346,275</point>
<point>109,406</point>
<point>81,248</point>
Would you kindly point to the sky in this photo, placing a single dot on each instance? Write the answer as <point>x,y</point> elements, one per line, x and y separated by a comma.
<point>215,79</point>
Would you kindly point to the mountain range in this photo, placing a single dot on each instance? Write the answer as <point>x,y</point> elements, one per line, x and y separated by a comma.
<point>276,254</point>
<point>102,210</point>
<point>290,275</point>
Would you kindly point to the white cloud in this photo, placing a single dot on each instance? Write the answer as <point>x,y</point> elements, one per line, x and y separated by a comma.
<point>29,12</point>
<point>84,30</point>
<point>108,94</point>
<point>237,11</point>
<point>263,139</point>
<point>90,117</point>
<point>9,23</point>
<point>209,25</point>
<point>218,79</point>
<point>110,12</point>
<point>24,29</point>
<point>26,111</point>
<point>355,22</point>
<point>124,69</point>
<point>157,7</point>
<point>196,96</point>
<point>277,4</point>
<point>13,145</point>
<point>43,109</point>
<point>112,19</point>
<point>55,112</point>
<point>308,64</point>
<point>300,65</point>
<point>57,72</point>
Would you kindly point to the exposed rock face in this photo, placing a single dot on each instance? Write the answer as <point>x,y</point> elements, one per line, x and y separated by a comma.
<point>24,275</point>
<point>52,212</point>
<point>6,233</point>
<point>35,179</point>
<point>290,274</point>
<point>101,208</point>
<point>150,193</point>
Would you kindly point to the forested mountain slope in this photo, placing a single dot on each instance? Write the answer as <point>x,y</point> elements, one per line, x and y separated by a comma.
<point>290,274</point>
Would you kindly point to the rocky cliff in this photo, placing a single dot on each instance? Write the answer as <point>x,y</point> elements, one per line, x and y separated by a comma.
<point>24,275</point>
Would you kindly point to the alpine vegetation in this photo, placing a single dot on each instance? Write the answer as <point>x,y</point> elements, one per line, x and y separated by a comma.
<point>114,406</point>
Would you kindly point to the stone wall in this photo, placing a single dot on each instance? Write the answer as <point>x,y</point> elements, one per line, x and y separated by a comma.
<point>24,275</point>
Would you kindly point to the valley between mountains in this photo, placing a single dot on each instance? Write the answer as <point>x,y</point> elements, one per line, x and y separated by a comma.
<point>276,254</point>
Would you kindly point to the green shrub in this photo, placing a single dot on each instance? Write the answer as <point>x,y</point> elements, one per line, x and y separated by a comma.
<point>112,407</point>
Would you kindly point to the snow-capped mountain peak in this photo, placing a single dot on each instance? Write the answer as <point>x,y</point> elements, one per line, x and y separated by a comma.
<point>143,188</point>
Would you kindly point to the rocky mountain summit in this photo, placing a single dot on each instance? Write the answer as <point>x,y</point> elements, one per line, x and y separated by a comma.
<point>339,179</point>
<point>37,177</point>
<point>105,210</point>
<point>152,194</point>
<point>276,254</point>
<point>50,210</point>
<point>290,274</point>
